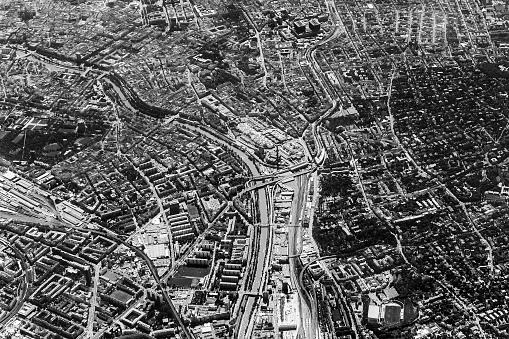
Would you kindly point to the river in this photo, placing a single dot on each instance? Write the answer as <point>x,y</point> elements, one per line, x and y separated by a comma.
<point>262,194</point>
<point>264,218</point>
<point>257,286</point>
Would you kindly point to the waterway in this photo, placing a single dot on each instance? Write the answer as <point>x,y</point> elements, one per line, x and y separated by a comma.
<point>262,193</point>
<point>264,233</point>
<point>264,219</point>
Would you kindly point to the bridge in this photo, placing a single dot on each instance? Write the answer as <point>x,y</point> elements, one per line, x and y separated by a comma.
<point>293,168</point>
<point>275,179</point>
<point>249,294</point>
<point>260,185</point>
<point>260,225</point>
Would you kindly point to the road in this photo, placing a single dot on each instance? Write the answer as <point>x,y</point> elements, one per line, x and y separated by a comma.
<point>190,250</point>
<point>185,333</point>
<point>306,328</point>
<point>395,136</point>
<point>110,235</point>
<point>93,302</point>
<point>261,234</point>
<point>259,44</point>
<point>23,287</point>
<point>259,268</point>
<point>461,204</point>
<point>161,210</point>
<point>310,53</point>
<point>426,174</point>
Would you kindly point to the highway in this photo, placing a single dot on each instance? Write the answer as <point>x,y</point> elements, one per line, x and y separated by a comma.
<point>93,302</point>
<point>262,234</point>
<point>259,268</point>
<point>23,287</point>
<point>306,327</point>
<point>261,237</point>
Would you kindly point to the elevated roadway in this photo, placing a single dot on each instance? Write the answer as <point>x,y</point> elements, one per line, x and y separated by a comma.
<point>307,327</point>
<point>261,237</point>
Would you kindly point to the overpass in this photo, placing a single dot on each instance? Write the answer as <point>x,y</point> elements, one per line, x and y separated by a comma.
<point>260,185</point>
<point>275,179</point>
<point>262,225</point>
<point>285,170</point>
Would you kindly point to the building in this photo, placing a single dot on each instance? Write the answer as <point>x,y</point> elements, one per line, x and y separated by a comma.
<point>299,27</point>
<point>314,25</point>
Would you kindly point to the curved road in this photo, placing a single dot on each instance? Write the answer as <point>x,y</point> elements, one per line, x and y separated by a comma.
<point>307,327</point>
<point>126,95</point>
<point>263,236</point>
<point>23,287</point>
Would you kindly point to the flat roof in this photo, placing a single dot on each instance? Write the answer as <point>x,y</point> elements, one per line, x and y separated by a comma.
<point>373,311</point>
<point>9,175</point>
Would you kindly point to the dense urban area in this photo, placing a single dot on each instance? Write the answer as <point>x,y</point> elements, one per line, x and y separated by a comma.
<point>329,169</point>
